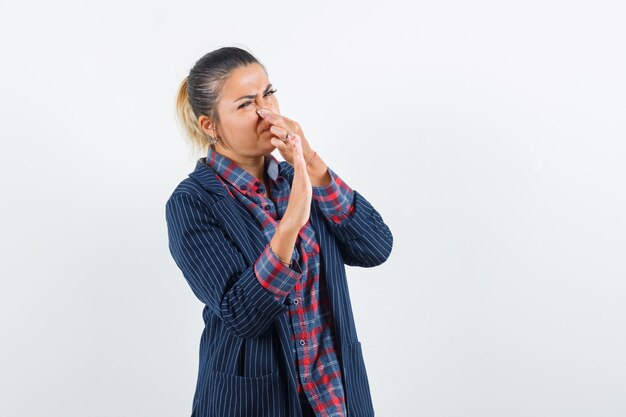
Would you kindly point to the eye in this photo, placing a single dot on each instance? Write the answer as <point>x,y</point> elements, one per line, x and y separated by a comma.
<point>248,102</point>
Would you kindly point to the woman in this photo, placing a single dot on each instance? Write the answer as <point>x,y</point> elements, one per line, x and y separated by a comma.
<point>264,244</point>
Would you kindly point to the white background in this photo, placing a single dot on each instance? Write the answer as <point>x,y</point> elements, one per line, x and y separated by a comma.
<point>488,134</point>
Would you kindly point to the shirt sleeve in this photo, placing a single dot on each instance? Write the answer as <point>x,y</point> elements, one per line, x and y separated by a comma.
<point>336,200</point>
<point>274,276</point>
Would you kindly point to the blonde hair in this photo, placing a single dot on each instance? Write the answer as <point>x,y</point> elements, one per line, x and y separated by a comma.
<point>198,139</point>
<point>199,93</point>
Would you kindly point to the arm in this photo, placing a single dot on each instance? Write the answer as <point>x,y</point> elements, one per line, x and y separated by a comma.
<point>364,239</point>
<point>335,199</point>
<point>362,236</point>
<point>215,269</point>
<point>273,275</point>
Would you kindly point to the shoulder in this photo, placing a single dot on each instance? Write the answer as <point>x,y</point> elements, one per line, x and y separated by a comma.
<point>189,191</point>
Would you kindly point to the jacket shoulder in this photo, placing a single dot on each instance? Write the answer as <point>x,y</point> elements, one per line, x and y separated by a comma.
<point>191,188</point>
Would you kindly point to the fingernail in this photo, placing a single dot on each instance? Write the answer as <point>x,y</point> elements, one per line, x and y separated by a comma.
<point>263,113</point>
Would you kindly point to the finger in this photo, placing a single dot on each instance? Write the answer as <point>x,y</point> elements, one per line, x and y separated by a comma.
<point>279,144</point>
<point>284,148</point>
<point>275,120</point>
<point>290,123</point>
<point>280,132</point>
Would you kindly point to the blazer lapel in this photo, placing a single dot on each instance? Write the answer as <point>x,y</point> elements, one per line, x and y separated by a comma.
<point>251,243</point>
<point>204,175</point>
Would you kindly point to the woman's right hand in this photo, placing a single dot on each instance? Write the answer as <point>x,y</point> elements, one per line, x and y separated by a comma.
<point>299,204</point>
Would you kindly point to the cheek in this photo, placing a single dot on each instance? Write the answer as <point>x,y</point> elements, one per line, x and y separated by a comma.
<point>249,119</point>
<point>275,105</point>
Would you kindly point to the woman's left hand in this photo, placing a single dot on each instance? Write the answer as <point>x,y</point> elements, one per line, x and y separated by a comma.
<point>281,126</point>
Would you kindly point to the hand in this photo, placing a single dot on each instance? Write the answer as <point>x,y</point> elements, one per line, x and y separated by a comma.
<point>299,204</point>
<point>281,126</point>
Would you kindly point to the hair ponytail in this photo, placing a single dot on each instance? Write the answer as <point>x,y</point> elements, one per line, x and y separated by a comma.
<point>187,119</point>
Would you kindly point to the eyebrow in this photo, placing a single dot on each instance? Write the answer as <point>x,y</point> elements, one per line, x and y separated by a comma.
<point>254,95</point>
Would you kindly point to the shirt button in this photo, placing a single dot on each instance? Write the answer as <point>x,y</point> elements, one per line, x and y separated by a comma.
<point>307,379</point>
<point>242,187</point>
<point>302,342</point>
<point>267,207</point>
<point>295,301</point>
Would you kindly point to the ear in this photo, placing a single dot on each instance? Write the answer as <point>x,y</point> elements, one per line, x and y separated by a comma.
<point>207,125</point>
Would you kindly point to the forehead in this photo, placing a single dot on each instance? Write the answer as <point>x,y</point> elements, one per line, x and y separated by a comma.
<point>245,80</point>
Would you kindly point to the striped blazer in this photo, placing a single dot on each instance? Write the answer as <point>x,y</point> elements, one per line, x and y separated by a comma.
<point>246,365</point>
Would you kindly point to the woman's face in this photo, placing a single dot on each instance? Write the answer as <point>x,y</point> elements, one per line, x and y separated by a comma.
<point>241,130</point>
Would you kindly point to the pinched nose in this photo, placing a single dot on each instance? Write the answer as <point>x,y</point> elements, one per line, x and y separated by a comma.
<point>264,113</point>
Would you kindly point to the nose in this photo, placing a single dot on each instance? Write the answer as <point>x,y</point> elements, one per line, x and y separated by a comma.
<point>261,104</point>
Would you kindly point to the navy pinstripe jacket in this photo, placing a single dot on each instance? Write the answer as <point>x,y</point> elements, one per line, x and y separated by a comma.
<point>246,365</point>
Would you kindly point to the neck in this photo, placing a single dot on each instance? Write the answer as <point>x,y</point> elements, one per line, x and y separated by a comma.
<point>255,165</point>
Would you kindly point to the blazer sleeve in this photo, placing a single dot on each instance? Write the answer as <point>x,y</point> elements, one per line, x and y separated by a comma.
<point>216,270</point>
<point>363,237</point>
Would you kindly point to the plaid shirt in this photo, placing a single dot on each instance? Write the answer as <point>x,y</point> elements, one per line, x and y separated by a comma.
<point>319,372</point>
